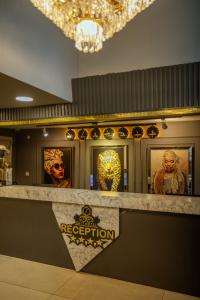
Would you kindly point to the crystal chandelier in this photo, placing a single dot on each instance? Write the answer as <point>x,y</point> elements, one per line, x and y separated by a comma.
<point>90,22</point>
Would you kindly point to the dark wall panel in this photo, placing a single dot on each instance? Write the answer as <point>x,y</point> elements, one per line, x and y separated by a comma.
<point>29,230</point>
<point>156,249</point>
<point>140,90</point>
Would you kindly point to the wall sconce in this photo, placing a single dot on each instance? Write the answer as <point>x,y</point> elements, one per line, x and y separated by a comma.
<point>45,132</point>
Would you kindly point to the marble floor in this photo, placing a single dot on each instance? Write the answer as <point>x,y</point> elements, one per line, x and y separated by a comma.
<point>25,280</point>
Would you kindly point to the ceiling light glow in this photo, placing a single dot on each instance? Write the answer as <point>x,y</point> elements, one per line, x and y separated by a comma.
<point>24,99</point>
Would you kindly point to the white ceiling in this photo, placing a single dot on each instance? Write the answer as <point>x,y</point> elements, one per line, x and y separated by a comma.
<point>33,50</point>
<point>10,88</point>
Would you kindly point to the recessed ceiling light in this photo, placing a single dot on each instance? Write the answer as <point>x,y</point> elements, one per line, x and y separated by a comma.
<point>24,99</point>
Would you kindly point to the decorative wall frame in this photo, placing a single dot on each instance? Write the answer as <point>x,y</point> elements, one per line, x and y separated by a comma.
<point>123,133</point>
<point>170,170</point>
<point>82,134</point>
<point>109,168</point>
<point>115,132</point>
<point>108,133</point>
<point>95,133</point>
<point>57,166</point>
<point>137,132</point>
<point>152,132</point>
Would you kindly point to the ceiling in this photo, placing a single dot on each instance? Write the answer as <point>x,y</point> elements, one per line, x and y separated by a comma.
<point>10,88</point>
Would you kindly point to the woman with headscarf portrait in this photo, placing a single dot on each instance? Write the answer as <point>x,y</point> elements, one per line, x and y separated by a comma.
<point>54,167</point>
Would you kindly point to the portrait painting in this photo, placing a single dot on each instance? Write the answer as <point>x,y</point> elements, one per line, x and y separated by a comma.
<point>57,166</point>
<point>170,170</point>
<point>109,168</point>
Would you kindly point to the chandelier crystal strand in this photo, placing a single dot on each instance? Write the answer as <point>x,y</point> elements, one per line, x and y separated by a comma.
<point>90,22</point>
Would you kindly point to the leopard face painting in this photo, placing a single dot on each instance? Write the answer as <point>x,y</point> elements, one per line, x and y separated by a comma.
<point>109,168</point>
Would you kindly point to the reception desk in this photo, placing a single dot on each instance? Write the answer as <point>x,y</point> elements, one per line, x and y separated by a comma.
<point>141,238</point>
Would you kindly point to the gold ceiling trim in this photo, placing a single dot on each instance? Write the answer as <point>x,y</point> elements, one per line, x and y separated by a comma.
<point>106,117</point>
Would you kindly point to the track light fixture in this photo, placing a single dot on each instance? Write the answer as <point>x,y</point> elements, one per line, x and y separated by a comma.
<point>164,123</point>
<point>45,132</point>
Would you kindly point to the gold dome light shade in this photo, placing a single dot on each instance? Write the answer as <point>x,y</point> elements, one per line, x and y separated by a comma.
<point>90,22</point>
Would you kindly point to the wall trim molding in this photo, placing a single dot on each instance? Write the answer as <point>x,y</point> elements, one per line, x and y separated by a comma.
<point>177,112</point>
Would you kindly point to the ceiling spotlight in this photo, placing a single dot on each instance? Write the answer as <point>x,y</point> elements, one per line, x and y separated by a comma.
<point>164,123</point>
<point>24,99</point>
<point>45,132</point>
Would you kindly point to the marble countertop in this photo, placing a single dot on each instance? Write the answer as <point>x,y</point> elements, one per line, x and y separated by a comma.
<point>134,201</point>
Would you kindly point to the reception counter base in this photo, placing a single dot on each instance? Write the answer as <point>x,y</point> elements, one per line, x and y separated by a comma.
<point>154,248</point>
